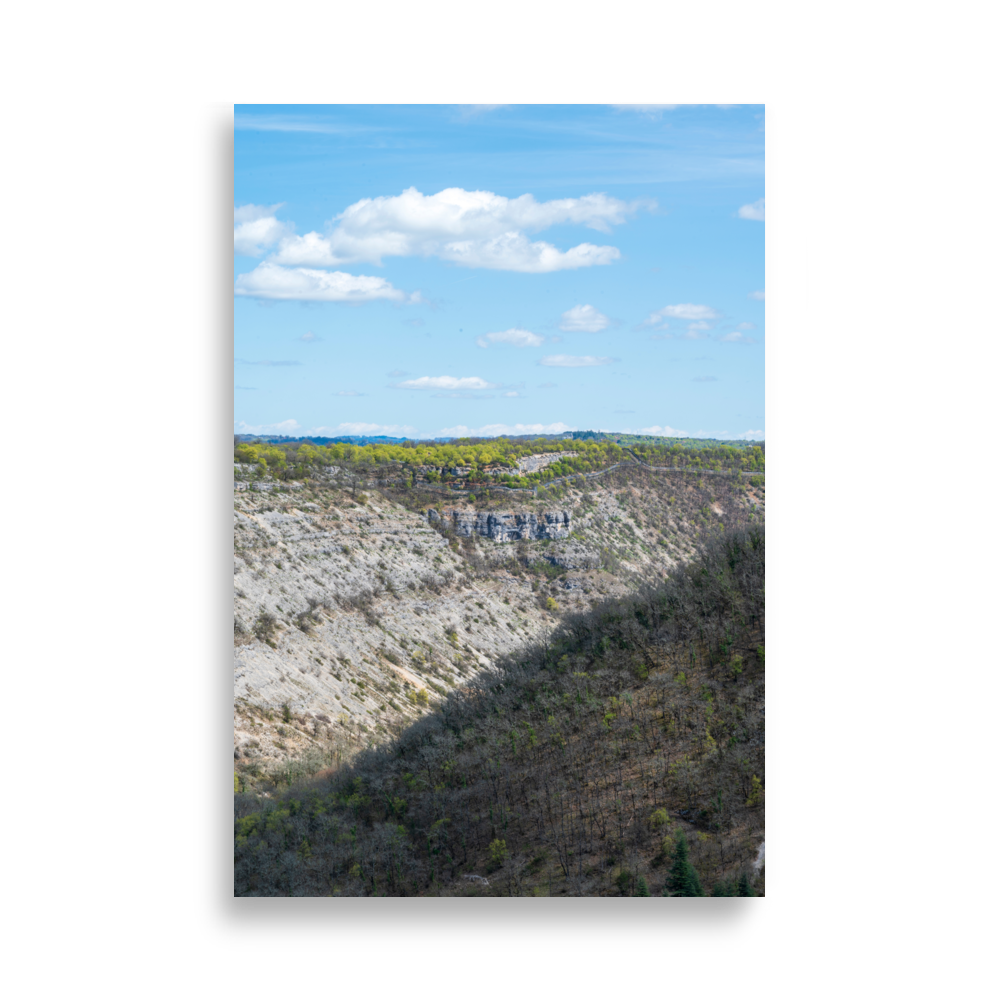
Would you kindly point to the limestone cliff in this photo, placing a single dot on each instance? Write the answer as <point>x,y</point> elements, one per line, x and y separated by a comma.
<point>505,527</point>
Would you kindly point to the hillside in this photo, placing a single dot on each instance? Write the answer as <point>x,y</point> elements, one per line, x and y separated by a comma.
<point>581,763</point>
<point>360,603</point>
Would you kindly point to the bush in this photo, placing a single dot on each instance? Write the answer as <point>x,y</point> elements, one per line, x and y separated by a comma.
<point>498,852</point>
<point>658,819</point>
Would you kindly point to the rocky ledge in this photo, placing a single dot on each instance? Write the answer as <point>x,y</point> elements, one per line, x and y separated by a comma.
<point>505,527</point>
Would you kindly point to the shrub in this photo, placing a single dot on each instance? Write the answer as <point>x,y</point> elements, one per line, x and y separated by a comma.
<point>641,889</point>
<point>550,604</point>
<point>498,852</point>
<point>658,819</point>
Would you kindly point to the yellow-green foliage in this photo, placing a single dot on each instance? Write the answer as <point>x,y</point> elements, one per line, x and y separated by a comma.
<point>658,819</point>
<point>498,852</point>
<point>756,791</point>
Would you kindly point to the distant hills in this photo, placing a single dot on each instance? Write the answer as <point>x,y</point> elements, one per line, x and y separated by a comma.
<point>618,438</point>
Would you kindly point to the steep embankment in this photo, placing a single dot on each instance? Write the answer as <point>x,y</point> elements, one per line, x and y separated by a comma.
<point>354,615</point>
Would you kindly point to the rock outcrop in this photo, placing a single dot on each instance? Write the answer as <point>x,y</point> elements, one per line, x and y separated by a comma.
<point>505,527</point>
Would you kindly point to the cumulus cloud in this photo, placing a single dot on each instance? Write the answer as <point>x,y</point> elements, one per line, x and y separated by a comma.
<point>469,228</point>
<point>753,211</point>
<point>583,318</point>
<point>287,427</point>
<point>513,336</point>
<point>574,361</point>
<point>255,229</point>
<point>269,281</point>
<point>497,430</point>
<point>759,296</point>
<point>736,337</point>
<point>663,431</point>
<point>310,338</point>
<point>446,382</point>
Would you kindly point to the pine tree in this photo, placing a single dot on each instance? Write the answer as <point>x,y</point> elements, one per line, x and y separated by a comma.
<point>743,886</point>
<point>683,879</point>
<point>641,889</point>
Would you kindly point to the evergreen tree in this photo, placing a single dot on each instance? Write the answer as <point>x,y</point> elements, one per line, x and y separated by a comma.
<point>724,888</point>
<point>641,889</point>
<point>683,879</point>
<point>743,886</point>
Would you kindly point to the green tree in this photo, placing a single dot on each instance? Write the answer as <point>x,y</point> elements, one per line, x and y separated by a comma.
<point>641,889</point>
<point>743,886</point>
<point>683,879</point>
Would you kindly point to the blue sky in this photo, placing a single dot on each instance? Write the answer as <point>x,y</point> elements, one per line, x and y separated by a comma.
<point>435,270</point>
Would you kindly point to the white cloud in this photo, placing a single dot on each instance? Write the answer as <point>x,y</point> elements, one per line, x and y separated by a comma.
<point>759,296</point>
<point>573,361</point>
<point>470,228</point>
<point>684,310</point>
<point>652,109</point>
<point>287,427</point>
<point>513,336</point>
<point>310,337</point>
<point>255,228</point>
<point>446,382</point>
<point>496,430</point>
<point>750,436</point>
<point>754,211</point>
<point>583,318</point>
<point>360,428</point>
<point>269,281</point>
<point>463,395</point>
<point>736,337</point>
<point>513,394</point>
<point>663,431</point>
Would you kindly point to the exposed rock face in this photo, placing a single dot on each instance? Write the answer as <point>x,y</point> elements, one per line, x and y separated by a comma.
<point>505,527</point>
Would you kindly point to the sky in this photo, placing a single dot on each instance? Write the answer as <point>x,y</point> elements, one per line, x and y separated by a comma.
<point>451,270</point>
